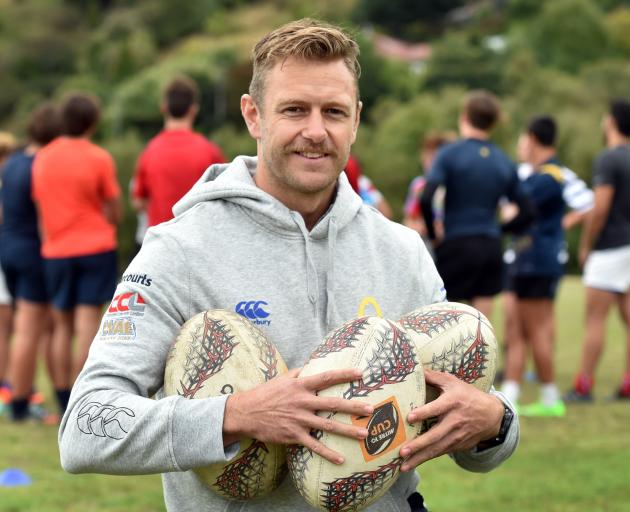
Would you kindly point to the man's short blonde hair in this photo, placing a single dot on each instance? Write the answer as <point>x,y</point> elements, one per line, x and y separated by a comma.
<point>306,39</point>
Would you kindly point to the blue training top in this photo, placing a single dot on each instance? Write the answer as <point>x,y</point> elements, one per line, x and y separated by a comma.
<point>475,174</point>
<point>19,230</point>
<point>539,252</point>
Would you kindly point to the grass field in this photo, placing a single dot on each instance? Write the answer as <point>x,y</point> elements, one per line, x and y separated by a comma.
<point>578,463</point>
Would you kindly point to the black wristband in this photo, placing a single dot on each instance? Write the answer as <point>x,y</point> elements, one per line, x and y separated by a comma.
<point>506,423</point>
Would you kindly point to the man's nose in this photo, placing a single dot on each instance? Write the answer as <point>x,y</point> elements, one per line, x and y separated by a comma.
<point>315,129</point>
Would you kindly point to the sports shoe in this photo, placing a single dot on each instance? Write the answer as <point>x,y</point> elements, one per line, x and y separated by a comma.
<point>541,410</point>
<point>40,415</point>
<point>574,396</point>
<point>5,395</point>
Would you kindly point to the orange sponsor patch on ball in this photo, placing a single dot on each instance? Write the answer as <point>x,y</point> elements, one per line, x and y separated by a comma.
<point>385,431</point>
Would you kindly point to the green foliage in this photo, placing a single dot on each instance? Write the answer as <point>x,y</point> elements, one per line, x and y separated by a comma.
<point>618,25</point>
<point>404,17</point>
<point>569,33</point>
<point>125,151</point>
<point>461,59</point>
<point>566,58</point>
<point>234,141</point>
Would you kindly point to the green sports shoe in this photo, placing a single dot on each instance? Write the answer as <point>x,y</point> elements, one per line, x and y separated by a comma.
<point>540,410</point>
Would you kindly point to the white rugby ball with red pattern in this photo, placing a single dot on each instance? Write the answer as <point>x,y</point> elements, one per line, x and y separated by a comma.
<point>454,338</point>
<point>219,352</point>
<point>393,382</point>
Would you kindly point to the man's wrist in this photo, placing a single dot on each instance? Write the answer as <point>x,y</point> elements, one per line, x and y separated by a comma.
<point>501,432</point>
<point>231,426</point>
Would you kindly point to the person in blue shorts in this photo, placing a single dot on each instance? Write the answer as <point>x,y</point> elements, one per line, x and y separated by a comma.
<point>475,174</point>
<point>21,260</point>
<point>536,270</point>
<point>7,146</point>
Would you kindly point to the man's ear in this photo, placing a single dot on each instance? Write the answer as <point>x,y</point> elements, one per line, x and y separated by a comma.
<point>193,111</point>
<point>251,114</point>
<point>357,121</point>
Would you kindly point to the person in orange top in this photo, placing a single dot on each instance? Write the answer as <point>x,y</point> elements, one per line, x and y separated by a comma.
<point>78,200</point>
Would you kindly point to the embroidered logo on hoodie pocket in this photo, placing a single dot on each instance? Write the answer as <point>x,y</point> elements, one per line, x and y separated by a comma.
<point>255,310</point>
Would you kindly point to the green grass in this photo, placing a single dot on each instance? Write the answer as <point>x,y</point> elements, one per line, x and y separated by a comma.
<point>578,463</point>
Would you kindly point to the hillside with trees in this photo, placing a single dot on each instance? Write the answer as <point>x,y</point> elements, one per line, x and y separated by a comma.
<point>566,58</point>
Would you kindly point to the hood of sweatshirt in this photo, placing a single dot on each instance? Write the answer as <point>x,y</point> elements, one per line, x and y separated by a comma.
<point>234,182</point>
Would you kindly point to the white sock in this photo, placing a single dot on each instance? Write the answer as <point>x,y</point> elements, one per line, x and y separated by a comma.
<point>511,389</point>
<point>549,394</point>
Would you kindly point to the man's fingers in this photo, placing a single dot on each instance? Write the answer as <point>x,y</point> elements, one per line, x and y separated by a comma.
<point>354,407</point>
<point>330,378</point>
<point>437,379</point>
<point>336,427</point>
<point>316,447</point>
<point>427,439</point>
<point>437,441</point>
<point>433,409</point>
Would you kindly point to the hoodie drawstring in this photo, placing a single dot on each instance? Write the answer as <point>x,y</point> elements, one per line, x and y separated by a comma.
<point>330,278</point>
<point>311,271</point>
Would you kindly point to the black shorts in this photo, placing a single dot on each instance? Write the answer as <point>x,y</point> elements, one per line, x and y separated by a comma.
<point>535,287</point>
<point>471,266</point>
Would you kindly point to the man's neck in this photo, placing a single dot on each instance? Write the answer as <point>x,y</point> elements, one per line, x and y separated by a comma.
<point>470,132</point>
<point>172,123</point>
<point>615,139</point>
<point>543,155</point>
<point>311,207</point>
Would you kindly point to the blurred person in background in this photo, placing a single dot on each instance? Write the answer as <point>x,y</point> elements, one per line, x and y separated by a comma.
<point>366,189</point>
<point>578,198</point>
<point>176,157</point>
<point>412,211</point>
<point>605,252</point>
<point>539,260</point>
<point>22,262</point>
<point>475,174</point>
<point>7,146</point>
<point>78,200</point>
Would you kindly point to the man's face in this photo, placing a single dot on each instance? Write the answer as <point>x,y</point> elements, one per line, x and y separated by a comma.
<point>304,128</point>
<point>524,148</point>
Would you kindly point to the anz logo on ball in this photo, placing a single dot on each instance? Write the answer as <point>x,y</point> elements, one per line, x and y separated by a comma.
<point>254,310</point>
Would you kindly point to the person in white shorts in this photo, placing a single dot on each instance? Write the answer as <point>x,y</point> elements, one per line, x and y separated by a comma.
<point>605,251</point>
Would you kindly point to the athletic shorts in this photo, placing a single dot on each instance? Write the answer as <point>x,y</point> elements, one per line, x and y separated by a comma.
<point>608,270</point>
<point>24,276</point>
<point>471,266</point>
<point>82,280</point>
<point>5,295</point>
<point>535,287</point>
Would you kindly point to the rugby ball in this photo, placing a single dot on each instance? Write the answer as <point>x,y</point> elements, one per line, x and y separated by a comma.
<point>219,352</point>
<point>393,382</point>
<point>454,338</point>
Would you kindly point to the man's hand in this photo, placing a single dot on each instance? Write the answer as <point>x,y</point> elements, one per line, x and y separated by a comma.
<point>465,415</point>
<point>283,411</point>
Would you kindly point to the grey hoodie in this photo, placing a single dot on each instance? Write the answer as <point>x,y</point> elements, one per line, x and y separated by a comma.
<point>231,244</point>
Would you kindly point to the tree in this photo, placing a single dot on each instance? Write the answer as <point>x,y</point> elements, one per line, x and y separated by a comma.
<point>461,60</point>
<point>569,33</point>
<point>396,17</point>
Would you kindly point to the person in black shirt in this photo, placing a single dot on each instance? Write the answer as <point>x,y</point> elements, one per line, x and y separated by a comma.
<point>605,250</point>
<point>475,174</point>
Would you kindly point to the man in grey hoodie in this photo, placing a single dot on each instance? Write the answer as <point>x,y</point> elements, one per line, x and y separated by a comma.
<point>286,231</point>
